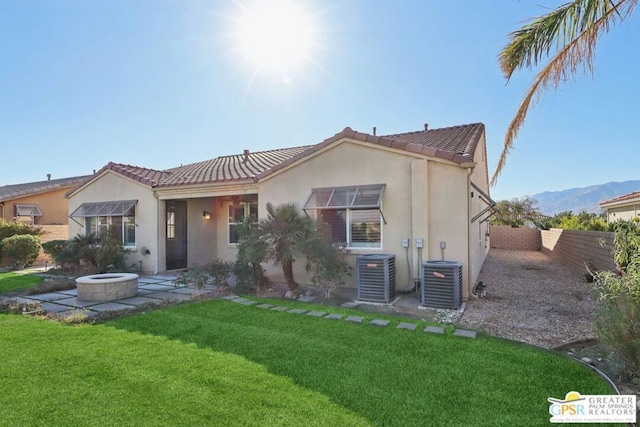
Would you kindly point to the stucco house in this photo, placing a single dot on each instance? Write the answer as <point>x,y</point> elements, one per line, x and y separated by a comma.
<point>624,207</point>
<point>374,191</point>
<point>38,203</point>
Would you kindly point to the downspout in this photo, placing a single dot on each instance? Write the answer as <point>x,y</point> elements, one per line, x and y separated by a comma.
<point>468,221</point>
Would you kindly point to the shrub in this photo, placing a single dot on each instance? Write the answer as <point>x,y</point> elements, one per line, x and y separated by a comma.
<point>101,254</point>
<point>195,278</point>
<point>325,261</point>
<point>61,253</point>
<point>21,249</point>
<point>247,268</point>
<point>220,271</point>
<point>617,319</point>
<point>9,229</point>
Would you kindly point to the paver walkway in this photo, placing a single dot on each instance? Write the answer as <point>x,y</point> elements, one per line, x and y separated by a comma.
<point>151,289</point>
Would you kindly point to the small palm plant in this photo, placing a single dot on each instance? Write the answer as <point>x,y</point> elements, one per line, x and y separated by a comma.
<point>287,233</point>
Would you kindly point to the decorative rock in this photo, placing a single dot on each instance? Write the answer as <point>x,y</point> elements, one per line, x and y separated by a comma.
<point>306,298</point>
<point>638,404</point>
<point>308,293</point>
<point>289,295</point>
<point>600,359</point>
<point>572,350</point>
<point>587,360</point>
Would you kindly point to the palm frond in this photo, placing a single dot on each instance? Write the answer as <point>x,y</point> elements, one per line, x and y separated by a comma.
<point>575,28</point>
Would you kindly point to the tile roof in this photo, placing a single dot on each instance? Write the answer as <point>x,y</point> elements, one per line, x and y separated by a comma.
<point>623,198</point>
<point>8,192</point>
<point>456,143</point>
<point>229,168</point>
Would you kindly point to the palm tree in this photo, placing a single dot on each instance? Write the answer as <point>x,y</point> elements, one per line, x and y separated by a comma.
<point>282,235</point>
<point>574,29</point>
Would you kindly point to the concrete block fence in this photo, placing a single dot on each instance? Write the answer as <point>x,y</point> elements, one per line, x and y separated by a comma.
<point>573,247</point>
<point>51,232</point>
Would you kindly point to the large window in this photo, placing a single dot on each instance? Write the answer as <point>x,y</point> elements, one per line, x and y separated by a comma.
<point>352,213</point>
<point>237,213</point>
<point>98,217</point>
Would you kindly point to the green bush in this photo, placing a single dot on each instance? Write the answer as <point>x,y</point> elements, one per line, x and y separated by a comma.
<point>617,319</point>
<point>195,278</point>
<point>20,250</point>
<point>61,253</point>
<point>220,271</point>
<point>94,254</point>
<point>8,229</point>
<point>247,268</point>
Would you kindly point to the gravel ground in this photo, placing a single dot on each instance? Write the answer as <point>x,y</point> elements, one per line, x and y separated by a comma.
<point>531,298</point>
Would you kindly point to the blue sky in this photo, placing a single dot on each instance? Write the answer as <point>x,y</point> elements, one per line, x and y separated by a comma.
<point>159,83</point>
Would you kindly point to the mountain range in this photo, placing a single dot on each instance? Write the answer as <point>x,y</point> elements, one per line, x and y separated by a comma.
<point>582,199</point>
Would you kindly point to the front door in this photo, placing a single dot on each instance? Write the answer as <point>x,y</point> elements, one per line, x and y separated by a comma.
<point>176,244</point>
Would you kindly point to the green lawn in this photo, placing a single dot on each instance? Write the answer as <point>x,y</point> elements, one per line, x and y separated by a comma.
<point>16,281</point>
<point>221,363</point>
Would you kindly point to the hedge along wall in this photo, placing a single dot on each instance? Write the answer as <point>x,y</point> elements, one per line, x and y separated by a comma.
<point>575,247</point>
<point>49,233</point>
<point>515,239</point>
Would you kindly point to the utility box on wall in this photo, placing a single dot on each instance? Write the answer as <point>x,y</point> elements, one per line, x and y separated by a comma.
<point>376,278</point>
<point>441,284</point>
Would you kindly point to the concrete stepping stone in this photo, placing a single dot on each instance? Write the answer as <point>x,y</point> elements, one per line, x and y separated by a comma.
<point>167,296</point>
<point>350,305</point>
<point>156,287</point>
<point>230,296</point>
<point>49,297</point>
<point>264,305</point>
<point>75,302</point>
<point>434,330</point>
<point>465,333</point>
<point>111,306</point>
<point>185,291</point>
<point>248,302</point>
<point>297,311</point>
<point>334,316</point>
<point>356,319</point>
<point>279,308</point>
<point>409,326</point>
<point>379,322</point>
<point>145,291</point>
<point>239,300</point>
<point>54,308</point>
<point>316,313</point>
<point>71,292</point>
<point>138,301</point>
<point>307,298</point>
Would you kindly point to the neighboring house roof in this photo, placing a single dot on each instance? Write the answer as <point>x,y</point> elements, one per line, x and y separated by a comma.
<point>629,197</point>
<point>8,192</point>
<point>456,143</point>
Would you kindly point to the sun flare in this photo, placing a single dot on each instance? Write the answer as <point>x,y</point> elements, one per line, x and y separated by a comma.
<point>275,36</point>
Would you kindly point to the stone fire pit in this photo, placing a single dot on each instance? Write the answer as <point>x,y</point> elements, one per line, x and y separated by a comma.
<point>107,287</point>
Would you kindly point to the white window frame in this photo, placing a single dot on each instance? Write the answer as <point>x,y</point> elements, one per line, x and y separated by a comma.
<point>108,211</point>
<point>247,213</point>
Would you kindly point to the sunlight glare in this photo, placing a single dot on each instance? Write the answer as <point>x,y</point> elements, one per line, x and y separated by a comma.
<point>275,35</point>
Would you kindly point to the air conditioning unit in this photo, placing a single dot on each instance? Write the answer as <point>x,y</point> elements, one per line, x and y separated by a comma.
<point>441,284</point>
<point>376,278</point>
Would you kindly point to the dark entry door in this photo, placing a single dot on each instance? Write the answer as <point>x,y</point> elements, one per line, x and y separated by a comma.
<point>176,219</point>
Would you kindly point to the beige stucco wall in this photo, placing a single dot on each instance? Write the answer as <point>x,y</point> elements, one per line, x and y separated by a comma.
<point>623,212</point>
<point>111,187</point>
<point>423,199</point>
<point>202,233</point>
<point>479,238</point>
<point>53,206</point>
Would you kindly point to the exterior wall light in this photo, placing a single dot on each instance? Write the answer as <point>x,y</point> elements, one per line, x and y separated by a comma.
<point>206,214</point>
